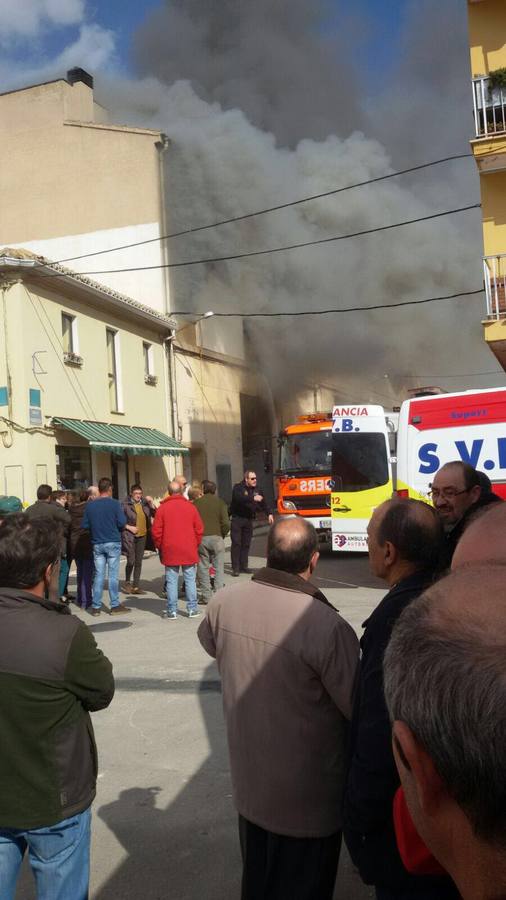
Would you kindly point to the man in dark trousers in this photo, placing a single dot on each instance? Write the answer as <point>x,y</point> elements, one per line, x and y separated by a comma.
<point>288,663</point>
<point>139,511</point>
<point>405,540</point>
<point>246,503</point>
<point>52,675</point>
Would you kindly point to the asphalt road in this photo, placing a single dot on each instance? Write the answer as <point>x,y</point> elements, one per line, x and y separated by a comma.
<point>164,825</point>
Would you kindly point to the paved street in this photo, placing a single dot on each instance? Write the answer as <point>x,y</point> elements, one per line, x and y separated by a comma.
<point>164,823</point>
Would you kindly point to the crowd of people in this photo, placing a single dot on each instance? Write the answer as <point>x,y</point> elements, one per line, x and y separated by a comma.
<point>395,742</point>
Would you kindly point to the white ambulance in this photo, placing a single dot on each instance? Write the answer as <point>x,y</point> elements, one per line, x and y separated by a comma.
<point>468,426</point>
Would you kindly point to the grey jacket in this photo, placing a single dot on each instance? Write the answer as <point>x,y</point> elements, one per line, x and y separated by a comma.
<point>288,663</point>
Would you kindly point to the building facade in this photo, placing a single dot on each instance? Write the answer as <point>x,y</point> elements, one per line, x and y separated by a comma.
<point>487,38</point>
<point>84,383</point>
<point>72,185</point>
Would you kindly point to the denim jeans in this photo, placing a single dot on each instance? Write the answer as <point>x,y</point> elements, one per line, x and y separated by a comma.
<point>64,576</point>
<point>106,555</point>
<point>190,586</point>
<point>84,582</point>
<point>59,857</point>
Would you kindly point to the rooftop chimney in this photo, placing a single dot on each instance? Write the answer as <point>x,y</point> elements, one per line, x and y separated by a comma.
<point>76,74</point>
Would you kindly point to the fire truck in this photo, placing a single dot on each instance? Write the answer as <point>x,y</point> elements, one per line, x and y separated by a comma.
<point>334,469</point>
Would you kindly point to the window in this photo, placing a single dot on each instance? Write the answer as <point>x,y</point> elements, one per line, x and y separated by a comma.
<point>70,340</point>
<point>149,367</point>
<point>113,372</point>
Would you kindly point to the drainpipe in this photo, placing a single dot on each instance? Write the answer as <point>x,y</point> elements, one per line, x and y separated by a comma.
<point>171,363</point>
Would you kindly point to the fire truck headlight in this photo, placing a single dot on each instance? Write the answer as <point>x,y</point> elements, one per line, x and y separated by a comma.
<point>287,504</point>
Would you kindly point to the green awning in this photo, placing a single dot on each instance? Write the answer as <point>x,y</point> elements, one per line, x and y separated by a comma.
<point>123,438</point>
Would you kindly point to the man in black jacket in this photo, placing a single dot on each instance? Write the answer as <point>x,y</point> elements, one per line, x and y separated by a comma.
<point>52,675</point>
<point>55,516</point>
<point>246,502</point>
<point>405,539</point>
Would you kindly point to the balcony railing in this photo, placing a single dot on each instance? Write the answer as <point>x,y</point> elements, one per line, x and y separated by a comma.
<point>494,270</point>
<point>489,108</point>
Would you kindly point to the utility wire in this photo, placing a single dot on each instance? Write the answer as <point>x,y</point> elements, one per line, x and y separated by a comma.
<point>250,253</point>
<point>262,212</point>
<point>458,375</point>
<point>326,312</point>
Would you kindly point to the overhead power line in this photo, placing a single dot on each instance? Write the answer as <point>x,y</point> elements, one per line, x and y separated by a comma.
<point>262,212</point>
<point>327,312</point>
<point>454,375</point>
<point>251,253</point>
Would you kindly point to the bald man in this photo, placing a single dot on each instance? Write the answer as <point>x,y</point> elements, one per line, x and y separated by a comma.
<point>445,686</point>
<point>287,662</point>
<point>405,540</point>
<point>484,539</point>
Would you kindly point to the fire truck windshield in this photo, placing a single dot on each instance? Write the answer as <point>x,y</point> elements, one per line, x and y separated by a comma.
<point>310,451</point>
<point>359,461</point>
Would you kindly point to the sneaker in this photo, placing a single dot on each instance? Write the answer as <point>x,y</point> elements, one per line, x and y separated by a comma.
<point>193,613</point>
<point>121,608</point>
<point>94,611</point>
<point>137,590</point>
<point>235,574</point>
<point>126,587</point>
<point>169,615</point>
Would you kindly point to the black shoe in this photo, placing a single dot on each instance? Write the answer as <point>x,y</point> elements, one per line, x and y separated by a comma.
<point>94,611</point>
<point>247,571</point>
<point>235,574</point>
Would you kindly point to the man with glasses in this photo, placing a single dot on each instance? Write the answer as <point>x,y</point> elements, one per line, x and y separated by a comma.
<point>457,493</point>
<point>246,502</point>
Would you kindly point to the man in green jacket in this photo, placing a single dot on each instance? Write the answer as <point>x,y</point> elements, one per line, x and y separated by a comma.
<point>214,515</point>
<point>52,675</point>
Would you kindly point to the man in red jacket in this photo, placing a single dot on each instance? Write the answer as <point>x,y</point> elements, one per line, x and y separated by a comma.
<point>177,532</point>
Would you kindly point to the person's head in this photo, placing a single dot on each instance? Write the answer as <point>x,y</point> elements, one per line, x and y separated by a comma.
<point>44,492</point>
<point>174,487</point>
<point>194,493</point>
<point>484,540</point>
<point>28,552</point>
<point>9,506</point>
<point>208,487</point>
<point>59,497</point>
<point>82,496</point>
<point>404,536</point>
<point>292,546</point>
<point>105,487</point>
<point>136,492</point>
<point>92,492</point>
<point>250,478</point>
<point>445,688</point>
<point>455,488</point>
<point>182,482</point>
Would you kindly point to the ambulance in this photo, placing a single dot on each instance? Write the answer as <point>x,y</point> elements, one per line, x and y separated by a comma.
<point>334,469</point>
<point>468,426</point>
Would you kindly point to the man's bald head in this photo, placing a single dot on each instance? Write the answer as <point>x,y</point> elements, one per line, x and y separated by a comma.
<point>403,535</point>
<point>291,545</point>
<point>175,487</point>
<point>484,540</point>
<point>445,679</point>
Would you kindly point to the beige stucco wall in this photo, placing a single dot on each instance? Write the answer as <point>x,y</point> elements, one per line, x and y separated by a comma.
<point>30,323</point>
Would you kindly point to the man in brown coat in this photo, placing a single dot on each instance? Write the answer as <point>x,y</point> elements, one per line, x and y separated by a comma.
<point>287,662</point>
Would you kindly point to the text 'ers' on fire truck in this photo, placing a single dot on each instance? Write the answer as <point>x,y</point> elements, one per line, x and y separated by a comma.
<point>468,426</point>
<point>334,469</point>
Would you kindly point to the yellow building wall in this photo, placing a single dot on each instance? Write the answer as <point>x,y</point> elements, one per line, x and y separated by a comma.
<point>31,324</point>
<point>493,198</point>
<point>487,30</point>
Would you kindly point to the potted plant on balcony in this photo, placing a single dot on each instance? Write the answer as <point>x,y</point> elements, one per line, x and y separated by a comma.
<point>496,81</point>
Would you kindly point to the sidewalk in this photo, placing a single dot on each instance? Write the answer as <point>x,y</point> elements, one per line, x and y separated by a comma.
<point>164,826</point>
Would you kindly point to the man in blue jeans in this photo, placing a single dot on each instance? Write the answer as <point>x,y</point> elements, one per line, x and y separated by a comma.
<point>52,675</point>
<point>105,521</point>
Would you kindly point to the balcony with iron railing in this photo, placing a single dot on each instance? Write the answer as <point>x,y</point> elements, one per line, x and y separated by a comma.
<point>494,271</point>
<point>489,108</point>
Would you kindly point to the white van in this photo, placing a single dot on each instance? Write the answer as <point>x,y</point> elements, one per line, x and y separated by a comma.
<point>468,426</point>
